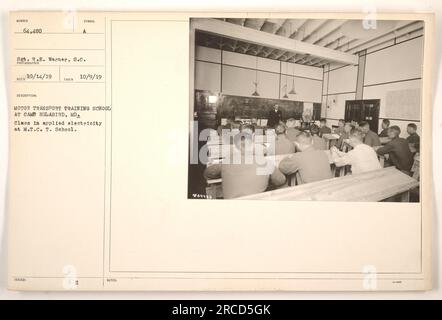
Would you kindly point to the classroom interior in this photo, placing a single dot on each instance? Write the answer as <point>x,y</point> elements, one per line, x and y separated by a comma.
<point>273,77</point>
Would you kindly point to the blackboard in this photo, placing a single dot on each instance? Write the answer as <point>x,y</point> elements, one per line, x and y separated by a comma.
<point>245,107</point>
<point>231,107</point>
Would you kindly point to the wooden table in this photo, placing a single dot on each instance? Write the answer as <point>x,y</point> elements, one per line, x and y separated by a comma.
<point>329,137</point>
<point>370,186</point>
<point>217,151</point>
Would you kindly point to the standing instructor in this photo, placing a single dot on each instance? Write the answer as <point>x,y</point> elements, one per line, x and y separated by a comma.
<point>274,117</point>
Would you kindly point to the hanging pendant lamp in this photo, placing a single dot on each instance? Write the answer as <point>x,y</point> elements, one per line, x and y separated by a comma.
<point>292,91</point>
<point>285,96</point>
<point>293,81</point>
<point>255,93</point>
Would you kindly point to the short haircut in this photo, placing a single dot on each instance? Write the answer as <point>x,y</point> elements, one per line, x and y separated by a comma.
<point>386,121</point>
<point>357,133</point>
<point>245,133</point>
<point>304,138</point>
<point>290,123</point>
<point>314,129</point>
<point>364,124</point>
<point>236,124</point>
<point>395,129</point>
<point>412,125</point>
<point>323,120</point>
<point>280,129</point>
<point>245,127</point>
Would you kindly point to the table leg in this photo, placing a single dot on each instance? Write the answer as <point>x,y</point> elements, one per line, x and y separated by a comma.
<point>342,171</point>
<point>292,180</point>
<point>405,196</point>
<point>333,169</point>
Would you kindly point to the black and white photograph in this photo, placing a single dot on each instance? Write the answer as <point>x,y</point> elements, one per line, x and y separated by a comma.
<point>305,109</point>
<point>282,152</point>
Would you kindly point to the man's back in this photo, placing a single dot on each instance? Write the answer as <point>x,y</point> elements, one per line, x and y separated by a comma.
<point>363,158</point>
<point>283,145</point>
<point>324,130</point>
<point>413,138</point>
<point>319,143</point>
<point>312,165</point>
<point>339,130</point>
<point>242,179</point>
<point>384,133</point>
<point>242,172</point>
<point>292,133</point>
<point>372,139</point>
<point>414,141</point>
<point>399,152</point>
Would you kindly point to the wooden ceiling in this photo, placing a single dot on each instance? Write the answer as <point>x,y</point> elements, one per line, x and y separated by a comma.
<point>339,35</point>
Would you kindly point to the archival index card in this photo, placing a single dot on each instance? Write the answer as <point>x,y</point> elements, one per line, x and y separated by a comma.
<point>102,115</point>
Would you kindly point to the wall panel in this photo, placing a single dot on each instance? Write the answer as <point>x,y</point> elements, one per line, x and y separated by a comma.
<point>239,82</point>
<point>207,76</point>
<point>306,89</point>
<point>399,62</point>
<point>301,70</point>
<point>381,91</point>
<point>238,75</point>
<point>207,54</point>
<point>343,80</point>
<point>336,105</point>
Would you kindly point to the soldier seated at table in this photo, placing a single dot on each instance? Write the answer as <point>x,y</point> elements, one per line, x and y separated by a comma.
<point>318,142</point>
<point>311,164</point>
<point>344,136</point>
<point>398,150</point>
<point>370,138</point>
<point>413,138</point>
<point>340,129</point>
<point>282,144</point>
<point>244,170</point>
<point>385,125</point>
<point>362,157</point>
<point>292,131</point>
<point>323,127</point>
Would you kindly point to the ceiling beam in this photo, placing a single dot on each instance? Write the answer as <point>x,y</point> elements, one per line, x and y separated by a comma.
<point>306,39</point>
<point>339,44</point>
<point>326,35</point>
<point>401,29</point>
<point>230,30</point>
<point>314,29</point>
